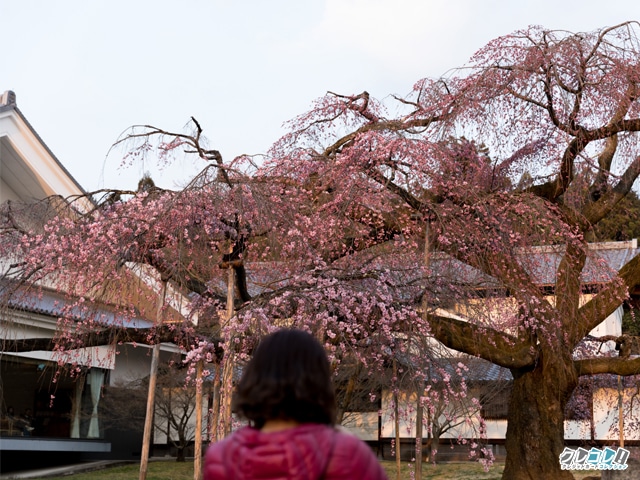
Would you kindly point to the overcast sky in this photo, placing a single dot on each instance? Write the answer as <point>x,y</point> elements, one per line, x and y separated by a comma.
<point>85,70</point>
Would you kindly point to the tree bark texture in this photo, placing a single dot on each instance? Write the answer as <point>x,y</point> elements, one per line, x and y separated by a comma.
<point>535,429</point>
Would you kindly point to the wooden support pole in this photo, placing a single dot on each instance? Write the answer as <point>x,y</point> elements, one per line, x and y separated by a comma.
<point>197,448</point>
<point>153,377</point>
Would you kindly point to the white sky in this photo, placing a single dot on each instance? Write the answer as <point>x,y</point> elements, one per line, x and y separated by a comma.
<point>85,70</point>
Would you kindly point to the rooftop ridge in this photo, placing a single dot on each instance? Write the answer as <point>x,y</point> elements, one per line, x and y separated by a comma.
<point>8,104</point>
<point>622,245</point>
<point>8,99</point>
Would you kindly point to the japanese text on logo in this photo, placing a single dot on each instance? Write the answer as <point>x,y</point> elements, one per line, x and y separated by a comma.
<point>594,459</point>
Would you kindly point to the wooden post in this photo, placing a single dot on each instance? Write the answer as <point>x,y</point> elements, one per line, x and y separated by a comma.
<point>210,393</point>
<point>197,448</point>
<point>215,408</point>
<point>227,367</point>
<point>419,417</point>
<point>396,414</point>
<point>419,406</point>
<point>620,412</point>
<point>153,377</point>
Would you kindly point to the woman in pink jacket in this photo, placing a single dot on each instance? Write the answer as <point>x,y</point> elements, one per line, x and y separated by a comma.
<point>286,394</point>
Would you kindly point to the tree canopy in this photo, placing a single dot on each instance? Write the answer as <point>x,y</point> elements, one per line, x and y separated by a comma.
<point>380,225</point>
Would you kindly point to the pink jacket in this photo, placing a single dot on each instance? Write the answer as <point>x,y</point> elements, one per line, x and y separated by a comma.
<point>306,452</point>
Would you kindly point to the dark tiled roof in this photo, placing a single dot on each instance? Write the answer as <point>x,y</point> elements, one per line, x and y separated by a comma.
<point>55,305</point>
<point>472,369</point>
<point>604,260</point>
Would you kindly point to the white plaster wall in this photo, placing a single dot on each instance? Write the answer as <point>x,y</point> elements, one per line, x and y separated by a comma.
<point>606,418</point>
<point>363,425</point>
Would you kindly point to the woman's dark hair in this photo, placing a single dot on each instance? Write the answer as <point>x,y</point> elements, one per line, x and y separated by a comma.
<point>288,378</point>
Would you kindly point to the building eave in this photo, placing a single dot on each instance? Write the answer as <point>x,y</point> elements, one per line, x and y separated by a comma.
<point>34,153</point>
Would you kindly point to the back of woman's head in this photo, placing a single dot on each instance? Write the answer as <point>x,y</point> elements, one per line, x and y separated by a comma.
<point>287,378</point>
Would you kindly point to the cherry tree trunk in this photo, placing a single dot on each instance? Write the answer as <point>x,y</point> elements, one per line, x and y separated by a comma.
<point>535,431</point>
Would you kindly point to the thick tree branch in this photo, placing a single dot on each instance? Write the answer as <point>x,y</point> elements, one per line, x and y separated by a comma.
<point>603,304</point>
<point>612,365</point>
<point>381,125</point>
<point>569,284</point>
<point>605,160</point>
<point>594,212</point>
<point>557,187</point>
<point>484,342</point>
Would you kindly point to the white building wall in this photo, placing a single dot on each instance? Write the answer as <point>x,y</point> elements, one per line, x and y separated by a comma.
<point>577,430</point>
<point>6,192</point>
<point>612,325</point>
<point>134,362</point>
<point>160,426</point>
<point>606,414</point>
<point>363,425</point>
<point>467,428</point>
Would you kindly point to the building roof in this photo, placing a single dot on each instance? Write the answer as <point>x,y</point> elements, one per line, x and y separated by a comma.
<point>604,260</point>
<point>16,138</point>
<point>472,369</point>
<point>54,304</point>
